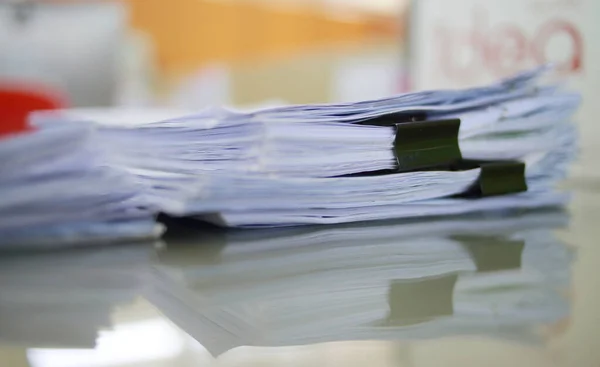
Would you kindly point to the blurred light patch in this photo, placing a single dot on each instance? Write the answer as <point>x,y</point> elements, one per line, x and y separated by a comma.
<point>127,344</point>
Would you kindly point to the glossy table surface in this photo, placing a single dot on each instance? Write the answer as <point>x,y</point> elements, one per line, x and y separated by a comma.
<point>519,290</point>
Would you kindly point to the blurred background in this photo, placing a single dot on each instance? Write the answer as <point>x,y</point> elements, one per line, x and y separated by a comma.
<point>193,53</point>
<point>249,53</point>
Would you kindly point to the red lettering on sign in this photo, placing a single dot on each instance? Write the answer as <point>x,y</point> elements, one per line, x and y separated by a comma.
<point>504,48</point>
<point>556,28</point>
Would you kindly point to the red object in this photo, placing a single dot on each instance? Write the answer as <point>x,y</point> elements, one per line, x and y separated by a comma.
<point>18,100</point>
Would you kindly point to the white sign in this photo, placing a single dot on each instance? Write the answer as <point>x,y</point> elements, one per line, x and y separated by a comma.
<point>462,43</point>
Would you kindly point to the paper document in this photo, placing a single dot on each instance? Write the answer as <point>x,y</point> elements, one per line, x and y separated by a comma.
<point>497,147</point>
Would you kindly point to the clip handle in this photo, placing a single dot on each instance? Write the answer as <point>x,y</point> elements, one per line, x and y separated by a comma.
<point>420,145</point>
<point>497,178</point>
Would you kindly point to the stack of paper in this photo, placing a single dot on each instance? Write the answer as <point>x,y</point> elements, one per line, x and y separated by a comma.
<point>58,190</point>
<point>324,163</point>
<point>384,281</point>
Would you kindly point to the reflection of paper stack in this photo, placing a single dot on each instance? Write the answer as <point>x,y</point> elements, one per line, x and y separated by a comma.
<point>415,280</point>
<point>62,299</point>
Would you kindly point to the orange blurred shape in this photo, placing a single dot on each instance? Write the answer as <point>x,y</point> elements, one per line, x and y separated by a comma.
<point>17,100</point>
<point>190,34</point>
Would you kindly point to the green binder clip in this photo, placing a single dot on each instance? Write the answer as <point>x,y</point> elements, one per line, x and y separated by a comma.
<point>421,143</point>
<point>427,144</point>
<point>495,178</point>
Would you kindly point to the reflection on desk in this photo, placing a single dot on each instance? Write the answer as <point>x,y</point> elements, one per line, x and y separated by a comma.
<point>493,276</point>
<point>62,298</point>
